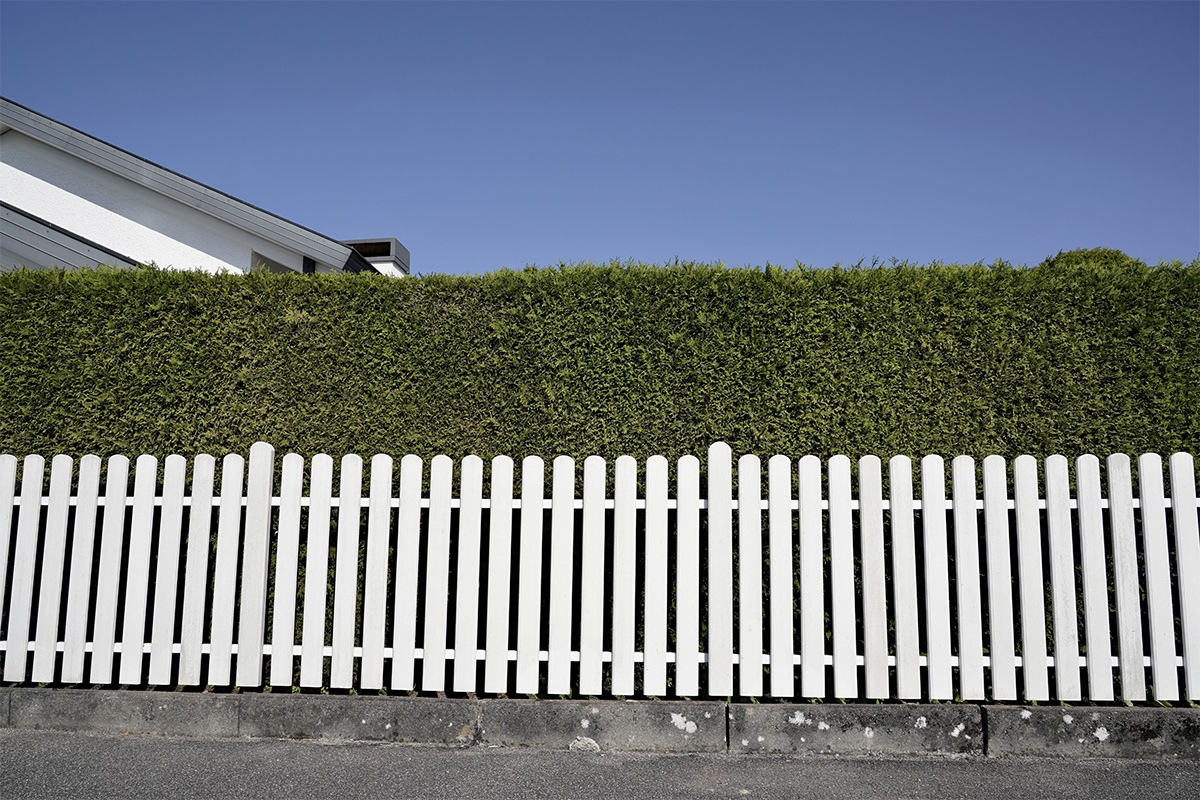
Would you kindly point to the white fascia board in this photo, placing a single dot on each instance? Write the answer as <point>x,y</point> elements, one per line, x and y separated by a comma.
<point>228,209</point>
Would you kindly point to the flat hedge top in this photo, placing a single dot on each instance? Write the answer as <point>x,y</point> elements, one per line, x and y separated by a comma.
<point>1076,355</point>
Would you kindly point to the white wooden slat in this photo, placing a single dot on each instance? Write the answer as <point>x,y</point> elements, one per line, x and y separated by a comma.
<point>1125,578</point>
<point>54,554</point>
<point>904,579</point>
<point>256,560</point>
<point>562,567</point>
<point>720,570</point>
<point>812,578</point>
<point>841,577</point>
<point>195,578</point>
<point>687,578</point>
<point>108,578</point>
<point>1187,552</point>
<point>529,577</point>
<point>1034,665</point>
<point>654,668</point>
<point>83,545</point>
<point>466,603</point>
<point>624,574</point>
<point>750,577</point>
<point>408,556</point>
<point>495,667</point>
<point>375,568</point>
<point>316,571</point>
<point>229,531</point>
<point>874,578</point>
<point>29,517</point>
<point>287,568</point>
<point>166,575</point>
<point>137,577</point>
<point>966,579</point>
<point>1159,600</point>
<point>1095,579</point>
<point>345,584</point>
<point>8,486</point>
<point>591,590</point>
<point>780,519</point>
<point>940,671</point>
<point>1002,637</point>
<point>437,574</point>
<point>1062,580</point>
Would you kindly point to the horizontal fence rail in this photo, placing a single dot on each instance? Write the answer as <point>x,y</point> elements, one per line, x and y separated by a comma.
<point>1002,581</point>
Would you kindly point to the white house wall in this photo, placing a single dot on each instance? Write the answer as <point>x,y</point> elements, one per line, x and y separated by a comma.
<point>124,216</point>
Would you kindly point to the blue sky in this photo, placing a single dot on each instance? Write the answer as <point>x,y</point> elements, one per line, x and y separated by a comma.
<point>496,134</point>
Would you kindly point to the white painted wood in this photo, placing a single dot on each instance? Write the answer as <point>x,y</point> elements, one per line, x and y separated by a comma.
<point>375,569</point>
<point>812,579</point>
<point>1095,579</point>
<point>624,574</point>
<point>8,486</point>
<point>466,603</point>
<point>316,571</point>
<point>1002,638</point>
<point>591,590</point>
<point>20,604</point>
<point>287,568</point>
<point>654,668</point>
<point>195,578</point>
<point>1125,578</point>
<point>562,566</point>
<point>437,574</point>
<point>137,578</point>
<point>934,509</point>
<point>345,584</point>
<point>83,546</point>
<point>1187,552</point>
<point>256,559</point>
<point>781,542</point>
<point>229,530</point>
<point>54,556</point>
<point>529,577</point>
<point>904,579</point>
<point>687,578</point>
<point>108,578</point>
<point>1159,600</point>
<point>166,575</point>
<point>874,578</point>
<point>720,570</point>
<point>1034,665</point>
<point>967,580</point>
<point>1062,580</point>
<point>841,577</point>
<point>495,667</point>
<point>750,577</point>
<point>408,556</point>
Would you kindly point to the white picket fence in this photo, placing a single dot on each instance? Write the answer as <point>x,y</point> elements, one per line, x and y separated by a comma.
<point>899,597</point>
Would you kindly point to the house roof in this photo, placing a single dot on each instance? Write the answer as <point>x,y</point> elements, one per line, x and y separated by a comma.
<point>168,183</point>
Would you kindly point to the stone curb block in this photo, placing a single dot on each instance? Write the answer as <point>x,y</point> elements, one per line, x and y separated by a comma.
<point>652,726</point>
<point>856,729</point>
<point>1093,732</point>
<point>425,720</point>
<point>116,711</point>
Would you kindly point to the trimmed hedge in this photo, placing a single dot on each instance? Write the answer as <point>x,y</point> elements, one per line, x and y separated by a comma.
<point>1088,352</point>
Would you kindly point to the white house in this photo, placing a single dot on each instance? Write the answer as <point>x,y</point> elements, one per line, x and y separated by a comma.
<point>68,199</point>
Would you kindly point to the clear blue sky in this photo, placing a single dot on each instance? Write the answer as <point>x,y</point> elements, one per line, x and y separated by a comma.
<point>499,134</point>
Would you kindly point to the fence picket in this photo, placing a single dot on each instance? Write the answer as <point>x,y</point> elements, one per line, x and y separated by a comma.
<point>170,534</point>
<point>624,575</point>
<point>562,566</point>
<point>287,568</point>
<point>654,667</point>
<point>874,577</point>
<point>1062,579</point>
<point>591,590</point>
<point>8,486</point>
<point>137,576</point>
<point>408,557</point>
<point>195,580</point>
<point>780,519</point>
<point>750,583</point>
<point>495,668</point>
<point>529,576</point>
<point>841,579</point>
<point>437,574</point>
<point>375,569</point>
<point>54,554</point>
<point>316,571</point>
<point>20,608</point>
<point>1187,554</point>
<point>687,581</point>
<point>940,673</point>
<point>1034,666</point>
<point>108,578</point>
<point>812,579</point>
<point>967,580</point>
<point>1095,581</point>
<point>904,579</point>
<point>83,544</point>
<point>1125,578</point>
<point>1159,600</point>
<point>345,585</point>
<point>252,620</point>
<point>1002,640</point>
<point>466,604</point>
<point>720,570</point>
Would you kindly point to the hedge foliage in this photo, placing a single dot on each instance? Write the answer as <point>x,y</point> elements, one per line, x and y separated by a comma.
<point>1088,352</point>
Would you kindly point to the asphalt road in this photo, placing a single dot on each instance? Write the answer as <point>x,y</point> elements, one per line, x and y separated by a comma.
<point>46,764</point>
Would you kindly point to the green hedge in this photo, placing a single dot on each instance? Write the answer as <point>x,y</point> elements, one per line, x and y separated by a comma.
<point>1088,352</point>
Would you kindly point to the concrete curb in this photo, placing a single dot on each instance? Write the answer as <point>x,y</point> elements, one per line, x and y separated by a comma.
<point>669,726</point>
